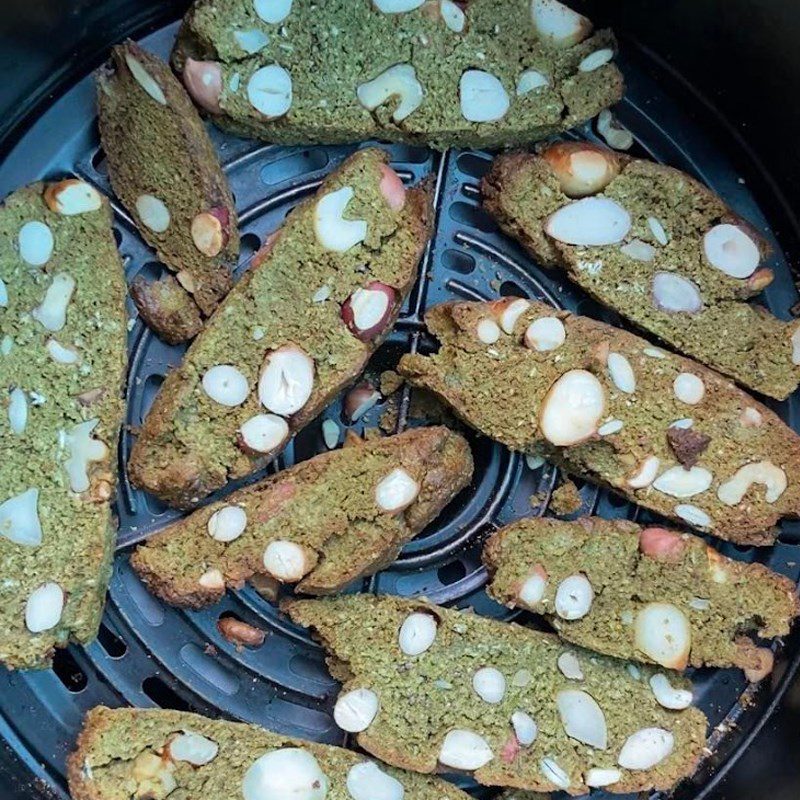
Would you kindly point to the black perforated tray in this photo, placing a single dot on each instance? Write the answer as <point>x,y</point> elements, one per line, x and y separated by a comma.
<point>149,654</point>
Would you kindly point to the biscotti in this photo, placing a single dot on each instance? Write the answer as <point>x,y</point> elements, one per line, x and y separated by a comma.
<point>604,404</point>
<point>435,72</point>
<point>429,688</point>
<point>646,594</point>
<point>300,325</point>
<point>325,522</point>
<point>62,367</point>
<point>164,169</point>
<point>655,245</point>
<point>136,754</point>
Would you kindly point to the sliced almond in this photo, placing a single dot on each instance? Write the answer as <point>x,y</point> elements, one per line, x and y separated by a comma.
<point>242,634</point>
<point>681,482</point>
<point>44,607</point>
<point>569,666</point>
<point>597,777</point>
<point>488,331</point>
<point>645,473</point>
<point>52,311</point>
<point>368,311</point>
<point>330,433</point>
<point>286,561</point>
<point>582,168</point>
<point>398,83</point>
<point>646,748</point>
<point>269,91</point>
<point>483,98</point>
<point>657,229</point>
<point>668,696</point>
<point>511,314</point>
<point>689,388</point>
<point>611,427</point>
<point>193,749</point>
<point>145,79</point>
<point>595,60</point>
<point>334,232</point>
<point>558,24</point>
<point>572,408</point>
<point>272,11</point>
<point>152,775</point>
<point>693,515</point>
<point>638,250</point>
<point>545,333</point>
<point>621,372</point>
<point>766,660</point>
<point>212,579</point>
<point>590,222</point>
<point>396,491</point>
<point>489,684</point>
<point>397,6</point>
<point>153,213</point>
<point>227,523</point>
<point>225,385</point>
<point>675,294</point>
<point>417,633</point>
<point>84,450</point>
<point>287,380</point>
<point>251,41</point>
<point>355,710</point>
<point>289,772</point>
<point>17,411</point>
<point>72,196</point>
<point>35,241</point>
<point>554,773</point>
<point>582,718</point>
<point>530,81</point>
<point>466,750</point>
<point>532,590</point>
<point>203,81</point>
<point>359,400</point>
<point>19,519</point>
<point>263,433</point>
<point>731,250</point>
<point>662,632</point>
<point>454,18</point>
<point>367,781</point>
<point>751,418</point>
<point>765,473</point>
<point>207,234</point>
<point>613,131</point>
<point>525,728</point>
<point>574,597</point>
<point>61,354</point>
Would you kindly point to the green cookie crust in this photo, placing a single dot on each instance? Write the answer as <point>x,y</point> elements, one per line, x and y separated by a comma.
<point>500,389</point>
<point>187,447</point>
<point>77,528</point>
<point>422,698</point>
<point>728,334</point>
<point>104,766</point>
<point>163,150</point>
<point>326,505</point>
<point>723,600</point>
<point>330,48</point>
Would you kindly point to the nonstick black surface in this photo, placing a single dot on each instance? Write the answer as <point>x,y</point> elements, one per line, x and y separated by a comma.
<point>149,654</point>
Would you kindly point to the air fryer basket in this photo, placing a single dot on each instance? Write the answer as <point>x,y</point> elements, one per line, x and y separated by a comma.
<point>149,654</point>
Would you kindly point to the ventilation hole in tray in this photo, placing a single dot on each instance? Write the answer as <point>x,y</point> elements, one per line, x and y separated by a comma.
<point>99,163</point>
<point>151,270</point>
<point>155,506</point>
<point>473,165</point>
<point>458,261</point>
<point>616,500</point>
<point>68,671</point>
<point>452,572</point>
<point>209,669</point>
<point>472,216</point>
<point>408,154</point>
<point>150,389</point>
<point>110,642</point>
<point>292,165</point>
<point>511,289</point>
<point>163,695</point>
<point>249,244</point>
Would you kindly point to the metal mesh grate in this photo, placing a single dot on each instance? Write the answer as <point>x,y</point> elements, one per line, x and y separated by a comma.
<point>149,654</point>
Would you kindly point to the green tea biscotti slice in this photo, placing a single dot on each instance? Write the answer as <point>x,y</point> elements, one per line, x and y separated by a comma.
<point>668,433</point>
<point>301,324</point>
<point>325,522</point>
<point>646,594</point>
<point>62,368</point>
<point>655,245</point>
<point>478,74</point>
<point>428,688</point>
<point>137,754</point>
<point>164,169</point>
